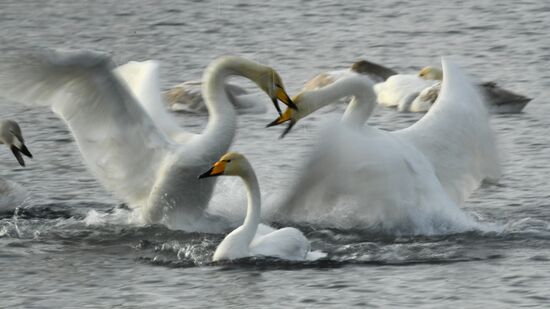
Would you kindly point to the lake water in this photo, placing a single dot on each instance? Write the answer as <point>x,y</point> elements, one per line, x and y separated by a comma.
<point>70,245</point>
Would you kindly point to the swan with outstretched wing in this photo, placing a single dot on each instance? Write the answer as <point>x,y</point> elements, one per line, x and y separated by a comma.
<point>131,145</point>
<point>419,174</point>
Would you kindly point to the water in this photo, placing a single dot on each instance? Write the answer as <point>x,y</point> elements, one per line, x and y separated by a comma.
<point>70,244</point>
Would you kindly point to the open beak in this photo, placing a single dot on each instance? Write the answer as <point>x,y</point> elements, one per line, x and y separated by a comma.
<point>281,95</point>
<point>216,170</point>
<point>18,151</point>
<point>285,117</point>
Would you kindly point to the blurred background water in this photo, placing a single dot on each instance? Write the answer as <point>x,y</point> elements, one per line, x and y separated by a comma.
<point>69,245</point>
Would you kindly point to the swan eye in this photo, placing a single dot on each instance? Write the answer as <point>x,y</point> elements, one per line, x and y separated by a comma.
<point>227,161</point>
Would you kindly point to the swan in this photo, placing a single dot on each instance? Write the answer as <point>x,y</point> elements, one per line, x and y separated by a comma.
<point>187,96</point>
<point>499,100</point>
<point>127,140</point>
<point>431,166</point>
<point>251,238</point>
<point>11,136</point>
<point>417,93</point>
<point>12,194</point>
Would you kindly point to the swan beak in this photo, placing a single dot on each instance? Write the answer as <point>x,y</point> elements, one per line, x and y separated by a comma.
<point>18,151</point>
<point>216,170</point>
<point>281,95</point>
<point>286,116</point>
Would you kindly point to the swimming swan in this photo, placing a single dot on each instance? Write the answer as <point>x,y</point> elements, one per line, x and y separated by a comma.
<point>499,100</point>
<point>126,138</point>
<point>248,240</point>
<point>11,136</point>
<point>417,93</point>
<point>436,162</point>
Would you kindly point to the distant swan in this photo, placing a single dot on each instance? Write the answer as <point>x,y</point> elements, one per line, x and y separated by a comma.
<point>248,240</point>
<point>11,136</point>
<point>431,166</point>
<point>499,100</point>
<point>134,148</point>
<point>417,93</point>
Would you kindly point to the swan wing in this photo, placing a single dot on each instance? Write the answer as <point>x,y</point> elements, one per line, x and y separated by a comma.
<point>425,99</point>
<point>120,143</point>
<point>142,79</point>
<point>287,243</point>
<point>456,137</point>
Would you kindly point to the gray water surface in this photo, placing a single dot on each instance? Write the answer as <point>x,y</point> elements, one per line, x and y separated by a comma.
<point>57,251</point>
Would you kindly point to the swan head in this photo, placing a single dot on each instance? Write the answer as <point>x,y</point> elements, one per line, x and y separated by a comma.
<point>272,84</point>
<point>431,73</point>
<point>230,164</point>
<point>306,103</point>
<point>11,136</point>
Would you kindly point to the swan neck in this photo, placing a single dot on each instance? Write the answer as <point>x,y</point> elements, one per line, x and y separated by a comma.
<point>363,103</point>
<point>221,127</point>
<point>253,211</point>
<point>361,106</point>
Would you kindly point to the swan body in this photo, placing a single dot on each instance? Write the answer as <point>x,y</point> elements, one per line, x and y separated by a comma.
<point>417,175</point>
<point>11,195</point>
<point>127,140</point>
<point>252,238</point>
<point>400,90</point>
<point>11,136</point>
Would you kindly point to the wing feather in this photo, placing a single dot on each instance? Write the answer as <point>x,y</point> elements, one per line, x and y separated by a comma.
<point>120,143</point>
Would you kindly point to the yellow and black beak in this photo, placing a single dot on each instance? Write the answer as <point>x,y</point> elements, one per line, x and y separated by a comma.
<point>284,117</point>
<point>281,95</point>
<point>216,170</point>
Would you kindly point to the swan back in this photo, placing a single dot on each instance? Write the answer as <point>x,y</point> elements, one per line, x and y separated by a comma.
<point>398,90</point>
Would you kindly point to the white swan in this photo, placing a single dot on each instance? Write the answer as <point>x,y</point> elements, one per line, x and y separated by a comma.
<point>429,167</point>
<point>12,194</point>
<point>417,93</point>
<point>134,149</point>
<point>11,136</point>
<point>248,240</point>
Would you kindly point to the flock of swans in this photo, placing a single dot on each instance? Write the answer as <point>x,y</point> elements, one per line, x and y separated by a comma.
<point>136,150</point>
<point>406,92</point>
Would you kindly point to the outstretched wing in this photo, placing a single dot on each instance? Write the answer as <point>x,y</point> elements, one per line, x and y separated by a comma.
<point>142,79</point>
<point>456,136</point>
<point>120,143</point>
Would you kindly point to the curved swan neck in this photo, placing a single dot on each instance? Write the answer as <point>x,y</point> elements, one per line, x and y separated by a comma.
<point>221,127</point>
<point>358,110</point>
<point>254,208</point>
